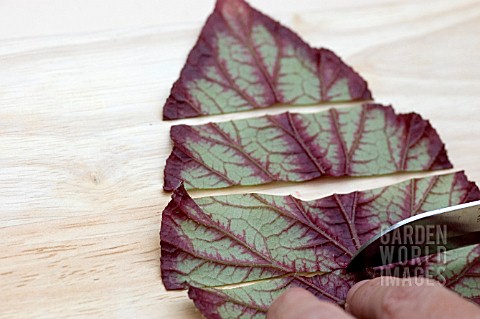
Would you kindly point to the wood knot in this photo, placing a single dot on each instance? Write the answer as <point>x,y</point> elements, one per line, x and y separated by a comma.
<point>95,179</point>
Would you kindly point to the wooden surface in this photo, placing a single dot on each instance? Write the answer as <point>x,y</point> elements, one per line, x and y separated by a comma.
<point>83,146</point>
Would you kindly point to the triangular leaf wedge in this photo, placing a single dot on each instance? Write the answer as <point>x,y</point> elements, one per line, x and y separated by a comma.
<point>245,60</point>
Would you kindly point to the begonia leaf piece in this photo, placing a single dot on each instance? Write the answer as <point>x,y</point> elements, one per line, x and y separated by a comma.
<point>245,60</point>
<point>275,242</point>
<point>355,141</point>
<point>231,239</point>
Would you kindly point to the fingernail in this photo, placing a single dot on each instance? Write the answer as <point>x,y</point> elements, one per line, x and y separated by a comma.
<point>353,290</point>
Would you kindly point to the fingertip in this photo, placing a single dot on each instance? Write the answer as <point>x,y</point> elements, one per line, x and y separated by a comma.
<point>355,288</point>
<point>298,303</point>
<point>292,296</point>
<point>363,298</point>
<point>289,298</point>
<point>352,292</point>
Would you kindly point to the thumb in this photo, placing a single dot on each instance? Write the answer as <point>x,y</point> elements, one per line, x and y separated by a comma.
<point>415,298</point>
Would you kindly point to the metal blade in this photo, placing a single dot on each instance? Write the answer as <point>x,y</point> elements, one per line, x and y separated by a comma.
<point>421,235</point>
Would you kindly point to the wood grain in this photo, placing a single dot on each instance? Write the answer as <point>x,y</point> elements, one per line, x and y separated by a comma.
<point>83,146</point>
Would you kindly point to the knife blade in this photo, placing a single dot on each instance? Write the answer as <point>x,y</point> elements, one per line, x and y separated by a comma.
<point>421,235</point>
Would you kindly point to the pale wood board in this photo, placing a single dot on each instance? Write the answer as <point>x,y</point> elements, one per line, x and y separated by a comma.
<point>83,147</point>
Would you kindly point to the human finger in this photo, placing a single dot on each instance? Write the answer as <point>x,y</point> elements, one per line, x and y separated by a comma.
<point>298,303</point>
<point>400,298</point>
